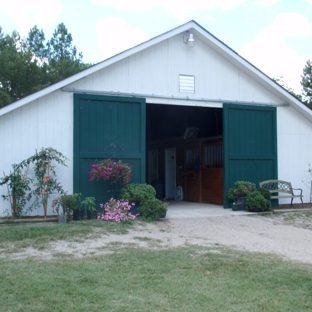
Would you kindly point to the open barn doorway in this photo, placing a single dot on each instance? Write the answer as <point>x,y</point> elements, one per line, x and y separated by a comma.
<point>214,147</point>
<point>185,152</point>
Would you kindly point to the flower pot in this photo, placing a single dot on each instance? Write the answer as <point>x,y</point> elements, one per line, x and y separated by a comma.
<point>92,214</point>
<point>134,209</point>
<point>163,215</point>
<point>255,210</point>
<point>61,219</point>
<point>78,215</point>
<point>240,202</point>
<point>234,207</point>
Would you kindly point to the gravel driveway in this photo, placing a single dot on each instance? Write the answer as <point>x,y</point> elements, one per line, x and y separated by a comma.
<point>288,235</point>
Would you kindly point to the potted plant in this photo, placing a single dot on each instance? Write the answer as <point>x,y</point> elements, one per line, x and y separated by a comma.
<point>239,192</point>
<point>65,205</point>
<point>70,203</point>
<point>89,204</point>
<point>137,193</point>
<point>112,171</point>
<point>257,202</point>
<point>163,211</point>
<point>77,209</point>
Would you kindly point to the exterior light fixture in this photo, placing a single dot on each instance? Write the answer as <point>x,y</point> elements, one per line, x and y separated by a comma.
<point>189,39</point>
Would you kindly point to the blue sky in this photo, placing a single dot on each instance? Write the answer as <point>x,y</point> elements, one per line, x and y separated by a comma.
<point>274,35</point>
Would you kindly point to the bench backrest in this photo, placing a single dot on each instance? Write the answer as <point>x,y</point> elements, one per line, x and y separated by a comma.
<point>276,186</point>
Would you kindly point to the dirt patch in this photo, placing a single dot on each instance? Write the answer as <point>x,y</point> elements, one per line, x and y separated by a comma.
<point>287,235</point>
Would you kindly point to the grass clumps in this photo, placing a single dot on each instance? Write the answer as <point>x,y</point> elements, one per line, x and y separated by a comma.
<point>177,279</point>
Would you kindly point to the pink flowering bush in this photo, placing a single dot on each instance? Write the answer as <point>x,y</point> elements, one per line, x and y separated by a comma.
<point>111,170</point>
<point>116,211</point>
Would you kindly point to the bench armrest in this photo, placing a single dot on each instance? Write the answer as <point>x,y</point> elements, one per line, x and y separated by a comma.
<point>298,190</point>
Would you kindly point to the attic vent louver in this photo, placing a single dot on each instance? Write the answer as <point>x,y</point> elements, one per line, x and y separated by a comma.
<point>187,84</point>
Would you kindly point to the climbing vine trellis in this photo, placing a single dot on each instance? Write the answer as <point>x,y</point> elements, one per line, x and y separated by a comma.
<point>45,175</point>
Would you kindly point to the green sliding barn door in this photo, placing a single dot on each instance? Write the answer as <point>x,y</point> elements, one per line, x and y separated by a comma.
<point>250,145</point>
<point>107,127</point>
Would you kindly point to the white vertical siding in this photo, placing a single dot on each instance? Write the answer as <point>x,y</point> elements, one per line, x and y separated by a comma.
<point>47,122</point>
<point>294,132</point>
<point>156,71</point>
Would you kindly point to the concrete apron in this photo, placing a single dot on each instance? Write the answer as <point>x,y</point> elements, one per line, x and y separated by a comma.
<point>183,209</point>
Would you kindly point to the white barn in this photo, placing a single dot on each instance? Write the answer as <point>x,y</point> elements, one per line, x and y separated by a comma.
<point>162,106</point>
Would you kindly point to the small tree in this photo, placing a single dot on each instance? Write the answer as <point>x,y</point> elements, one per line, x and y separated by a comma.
<point>19,191</point>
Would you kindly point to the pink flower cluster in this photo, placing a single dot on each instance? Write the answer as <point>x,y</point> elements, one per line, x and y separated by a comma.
<point>116,211</point>
<point>112,171</point>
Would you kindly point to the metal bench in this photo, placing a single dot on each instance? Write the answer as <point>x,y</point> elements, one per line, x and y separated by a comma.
<point>279,186</point>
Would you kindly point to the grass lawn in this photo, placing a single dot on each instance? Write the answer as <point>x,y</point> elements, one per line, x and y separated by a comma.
<point>191,278</point>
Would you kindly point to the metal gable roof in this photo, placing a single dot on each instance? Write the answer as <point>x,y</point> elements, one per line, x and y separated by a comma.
<point>199,32</point>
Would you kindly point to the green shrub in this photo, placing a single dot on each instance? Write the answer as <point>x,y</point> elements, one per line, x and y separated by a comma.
<point>66,204</point>
<point>89,204</point>
<point>240,189</point>
<point>19,190</point>
<point>137,192</point>
<point>144,195</point>
<point>152,208</point>
<point>71,202</point>
<point>265,193</point>
<point>256,201</point>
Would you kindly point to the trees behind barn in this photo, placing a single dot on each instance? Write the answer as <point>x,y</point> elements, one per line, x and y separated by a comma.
<point>30,64</point>
<point>306,83</point>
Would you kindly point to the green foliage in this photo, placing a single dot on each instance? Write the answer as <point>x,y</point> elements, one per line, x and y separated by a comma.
<point>28,65</point>
<point>137,192</point>
<point>67,204</point>
<point>36,42</point>
<point>280,81</point>
<point>19,191</point>
<point>152,208</point>
<point>19,74</point>
<point>89,204</point>
<point>71,202</point>
<point>39,235</point>
<point>265,193</point>
<point>240,189</point>
<point>64,60</point>
<point>306,83</point>
<point>46,178</point>
<point>144,194</point>
<point>45,181</point>
<point>255,201</point>
<point>178,279</point>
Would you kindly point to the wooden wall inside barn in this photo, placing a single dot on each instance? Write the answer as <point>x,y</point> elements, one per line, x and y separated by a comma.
<point>205,186</point>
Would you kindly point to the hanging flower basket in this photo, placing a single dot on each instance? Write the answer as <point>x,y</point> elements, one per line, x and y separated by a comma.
<point>112,171</point>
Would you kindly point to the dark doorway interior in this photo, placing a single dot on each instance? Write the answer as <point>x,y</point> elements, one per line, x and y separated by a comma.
<point>197,154</point>
<point>171,121</point>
